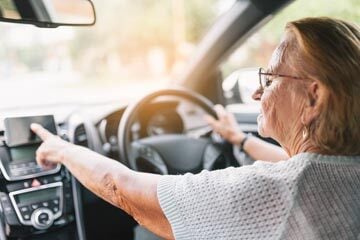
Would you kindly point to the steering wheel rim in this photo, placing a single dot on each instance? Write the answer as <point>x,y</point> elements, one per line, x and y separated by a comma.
<point>131,111</point>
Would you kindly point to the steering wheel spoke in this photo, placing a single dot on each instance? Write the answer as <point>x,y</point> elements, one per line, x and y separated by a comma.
<point>146,158</point>
<point>211,154</point>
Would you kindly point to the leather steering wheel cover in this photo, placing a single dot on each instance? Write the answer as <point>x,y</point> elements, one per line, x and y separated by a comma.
<point>129,113</point>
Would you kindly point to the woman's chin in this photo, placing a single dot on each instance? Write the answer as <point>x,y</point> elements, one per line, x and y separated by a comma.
<point>261,132</point>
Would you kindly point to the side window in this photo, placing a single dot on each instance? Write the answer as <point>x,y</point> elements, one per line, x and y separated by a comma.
<point>240,81</point>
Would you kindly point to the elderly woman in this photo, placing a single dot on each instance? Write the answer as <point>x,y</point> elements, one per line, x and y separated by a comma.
<point>310,104</point>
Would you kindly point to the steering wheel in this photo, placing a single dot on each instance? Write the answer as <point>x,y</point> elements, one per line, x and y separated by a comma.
<point>171,153</point>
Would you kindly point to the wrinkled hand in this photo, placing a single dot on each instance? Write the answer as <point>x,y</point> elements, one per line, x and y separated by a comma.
<point>51,150</point>
<point>226,125</point>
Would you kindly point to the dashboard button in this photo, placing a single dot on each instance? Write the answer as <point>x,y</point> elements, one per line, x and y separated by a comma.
<point>44,181</point>
<point>49,179</point>
<point>32,164</point>
<point>14,186</point>
<point>22,165</point>
<point>55,202</point>
<point>25,212</point>
<point>15,173</point>
<point>55,205</point>
<point>24,209</point>
<point>7,207</point>
<point>27,165</point>
<point>25,172</point>
<point>57,178</point>
<point>27,184</point>
<point>17,186</point>
<point>55,210</point>
<point>4,197</point>
<point>45,204</point>
<point>14,166</point>
<point>35,206</point>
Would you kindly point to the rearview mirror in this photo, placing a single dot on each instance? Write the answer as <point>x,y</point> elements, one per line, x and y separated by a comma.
<point>240,85</point>
<point>48,13</point>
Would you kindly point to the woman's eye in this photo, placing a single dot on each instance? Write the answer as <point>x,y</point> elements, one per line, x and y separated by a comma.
<point>268,81</point>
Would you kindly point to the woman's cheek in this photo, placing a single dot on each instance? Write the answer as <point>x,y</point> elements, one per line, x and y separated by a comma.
<point>266,117</point>
<point>261,119</point>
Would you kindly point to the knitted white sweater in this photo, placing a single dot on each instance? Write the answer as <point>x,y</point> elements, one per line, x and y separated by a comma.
<point>309,196</point>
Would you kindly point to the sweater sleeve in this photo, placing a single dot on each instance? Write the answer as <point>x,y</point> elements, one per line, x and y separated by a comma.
<point>248,201</point>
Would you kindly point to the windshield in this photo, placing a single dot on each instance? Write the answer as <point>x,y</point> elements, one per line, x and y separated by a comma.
<point>135,46</point>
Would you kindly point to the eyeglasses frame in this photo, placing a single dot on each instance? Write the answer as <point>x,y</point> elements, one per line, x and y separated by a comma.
<point>263,72</point>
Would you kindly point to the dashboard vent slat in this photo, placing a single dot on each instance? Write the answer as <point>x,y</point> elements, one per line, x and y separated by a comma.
<point>80,137</point>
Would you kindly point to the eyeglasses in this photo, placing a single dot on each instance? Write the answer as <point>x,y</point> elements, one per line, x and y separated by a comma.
<point>266,78</point>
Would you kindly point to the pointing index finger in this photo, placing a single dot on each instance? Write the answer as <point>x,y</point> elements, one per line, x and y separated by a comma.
<point>40,131</point>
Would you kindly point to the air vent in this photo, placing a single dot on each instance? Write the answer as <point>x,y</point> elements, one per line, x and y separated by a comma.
<point>80,136</point>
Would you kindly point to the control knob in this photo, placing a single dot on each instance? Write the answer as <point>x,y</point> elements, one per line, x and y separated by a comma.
<point>42,218</point>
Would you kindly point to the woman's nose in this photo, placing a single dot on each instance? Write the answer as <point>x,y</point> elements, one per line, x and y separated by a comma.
<point>257,94</point>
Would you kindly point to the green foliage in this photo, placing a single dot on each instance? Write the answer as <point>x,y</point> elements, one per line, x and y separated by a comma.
<point>343,9</point>
<point>7,4</point>
<point>200,14</point>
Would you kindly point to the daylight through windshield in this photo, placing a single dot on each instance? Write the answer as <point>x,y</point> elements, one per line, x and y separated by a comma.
<point>135,46</point>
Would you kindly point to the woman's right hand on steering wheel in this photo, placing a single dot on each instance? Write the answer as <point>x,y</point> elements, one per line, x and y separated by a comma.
<point>226,125</point>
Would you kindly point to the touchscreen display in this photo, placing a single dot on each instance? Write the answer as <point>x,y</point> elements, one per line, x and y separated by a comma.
<point>18,132</point>
<point>23,154</point>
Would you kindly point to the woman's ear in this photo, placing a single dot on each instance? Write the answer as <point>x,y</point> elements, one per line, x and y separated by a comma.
<point>315,95</point>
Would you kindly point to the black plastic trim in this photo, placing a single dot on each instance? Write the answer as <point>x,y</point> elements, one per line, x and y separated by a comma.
<point>78,208</point>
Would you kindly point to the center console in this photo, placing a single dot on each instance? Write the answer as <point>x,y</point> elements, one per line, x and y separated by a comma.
<point>34,201</point>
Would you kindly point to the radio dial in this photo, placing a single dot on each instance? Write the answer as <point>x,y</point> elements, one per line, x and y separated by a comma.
<point>42,218</point>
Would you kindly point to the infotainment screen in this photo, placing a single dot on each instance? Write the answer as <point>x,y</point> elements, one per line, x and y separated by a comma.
<point>36,196</point>
<point>23,154</point>
<point>18,132</point>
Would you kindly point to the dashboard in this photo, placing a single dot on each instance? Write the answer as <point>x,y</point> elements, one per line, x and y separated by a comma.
<point>166,115</point>
<point>40,203</point>
<point>33,200</point>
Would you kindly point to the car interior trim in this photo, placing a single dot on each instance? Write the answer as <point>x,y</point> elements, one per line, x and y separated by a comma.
<point>78,208</point>
<point>27,176</point>
<point>34,189</point>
